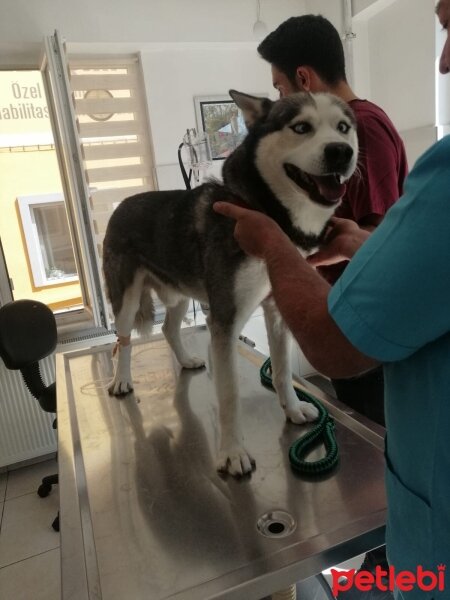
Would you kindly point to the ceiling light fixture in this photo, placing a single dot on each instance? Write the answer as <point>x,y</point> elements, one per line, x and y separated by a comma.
<point>259,27</point>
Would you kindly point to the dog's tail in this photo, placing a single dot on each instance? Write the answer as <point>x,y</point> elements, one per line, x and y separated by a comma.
<point>119,277</point>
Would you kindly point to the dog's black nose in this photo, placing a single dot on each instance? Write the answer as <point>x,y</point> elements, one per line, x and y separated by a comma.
<point>338,155</point>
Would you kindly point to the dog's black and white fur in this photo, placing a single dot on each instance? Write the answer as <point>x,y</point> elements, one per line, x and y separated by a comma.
<point>291,166</point>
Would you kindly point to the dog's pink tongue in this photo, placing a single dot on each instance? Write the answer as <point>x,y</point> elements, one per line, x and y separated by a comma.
<point>330,188</point>
<point>333,194</point>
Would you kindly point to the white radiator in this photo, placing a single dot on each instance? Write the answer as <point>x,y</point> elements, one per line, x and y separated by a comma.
<point>25,429</point>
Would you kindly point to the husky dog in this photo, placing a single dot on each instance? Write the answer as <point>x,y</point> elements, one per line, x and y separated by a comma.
<point>292,165</point>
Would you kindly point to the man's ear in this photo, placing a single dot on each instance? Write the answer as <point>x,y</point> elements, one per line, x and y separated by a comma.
<point>253,108</point>
<point>303,77</point>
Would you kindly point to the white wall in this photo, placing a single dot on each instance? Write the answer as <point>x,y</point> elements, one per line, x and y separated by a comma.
<point>331,9</point>
<point>394,66</point>
<point>402,47</point>
<point>180,72</point>
<point>359,5</point>
<point>24,23</point>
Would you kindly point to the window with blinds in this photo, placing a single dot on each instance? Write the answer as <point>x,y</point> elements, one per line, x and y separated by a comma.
<point>114,133</point>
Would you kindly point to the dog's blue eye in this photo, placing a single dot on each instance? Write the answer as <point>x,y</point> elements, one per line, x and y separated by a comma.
<point>343,127</point>
<point>302,127</point>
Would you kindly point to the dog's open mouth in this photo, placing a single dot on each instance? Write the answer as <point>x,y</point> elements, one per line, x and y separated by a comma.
<point>324,189</point>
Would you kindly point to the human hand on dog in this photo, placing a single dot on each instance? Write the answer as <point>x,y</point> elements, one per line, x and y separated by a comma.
<point>255,232</point>
<point>343,238</point>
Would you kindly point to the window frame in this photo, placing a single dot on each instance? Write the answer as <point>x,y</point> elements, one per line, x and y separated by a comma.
<point>76,189</point>
<point>30,230</point>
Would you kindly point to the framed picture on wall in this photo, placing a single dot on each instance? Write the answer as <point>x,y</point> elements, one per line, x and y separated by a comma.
<point>219,117</point>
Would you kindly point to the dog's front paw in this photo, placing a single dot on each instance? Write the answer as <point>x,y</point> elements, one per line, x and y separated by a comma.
<point>192,362</point>
<point>122,383</point>
<point>236,461</point>
<point>301,412</point>
<point>120,387</point>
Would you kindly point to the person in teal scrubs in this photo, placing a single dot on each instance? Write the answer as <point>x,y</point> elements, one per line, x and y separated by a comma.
<point>390,306</point>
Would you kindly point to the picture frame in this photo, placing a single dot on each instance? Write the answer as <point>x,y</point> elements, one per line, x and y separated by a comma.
<point>223,121</point>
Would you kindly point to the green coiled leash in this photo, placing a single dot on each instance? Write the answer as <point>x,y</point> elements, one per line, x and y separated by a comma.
<point>322,432</point>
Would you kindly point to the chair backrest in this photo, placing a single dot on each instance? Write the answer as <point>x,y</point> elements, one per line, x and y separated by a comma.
<point>27,335</point>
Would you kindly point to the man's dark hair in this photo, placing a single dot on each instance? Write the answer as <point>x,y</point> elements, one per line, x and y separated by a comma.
<point>307,40</point>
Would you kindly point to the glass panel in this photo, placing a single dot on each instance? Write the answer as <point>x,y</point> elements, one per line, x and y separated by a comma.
<point>54,242</point>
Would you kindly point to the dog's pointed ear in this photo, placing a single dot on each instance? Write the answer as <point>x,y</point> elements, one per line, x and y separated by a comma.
<point>253,108</point>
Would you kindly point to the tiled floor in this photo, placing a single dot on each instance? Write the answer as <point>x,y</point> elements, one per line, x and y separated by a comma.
<point>29,547</point>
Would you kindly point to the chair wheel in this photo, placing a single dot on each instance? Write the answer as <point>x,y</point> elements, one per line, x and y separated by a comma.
<point>55,523</point>
<point>44,490</point>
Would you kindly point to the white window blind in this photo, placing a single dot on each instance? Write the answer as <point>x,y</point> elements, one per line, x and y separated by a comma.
<point>114,133</point>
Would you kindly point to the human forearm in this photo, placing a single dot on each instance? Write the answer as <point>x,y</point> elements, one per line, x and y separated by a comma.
<point>301,296</point>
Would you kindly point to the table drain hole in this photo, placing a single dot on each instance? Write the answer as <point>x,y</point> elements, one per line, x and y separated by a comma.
<point>276,523</point>
<point>276,527</point>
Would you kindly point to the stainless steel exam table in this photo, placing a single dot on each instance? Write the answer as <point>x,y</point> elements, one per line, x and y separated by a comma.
<point>143,513</point>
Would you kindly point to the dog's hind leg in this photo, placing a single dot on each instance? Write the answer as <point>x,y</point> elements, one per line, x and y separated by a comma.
<point>233,457</point>
<point>124,323</point>
<point>171,329</point>
<point>295,410</point>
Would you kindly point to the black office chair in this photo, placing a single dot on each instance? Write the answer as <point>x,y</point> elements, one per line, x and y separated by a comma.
<point>27,335</point>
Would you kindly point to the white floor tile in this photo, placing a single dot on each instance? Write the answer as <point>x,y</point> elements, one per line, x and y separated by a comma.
<point>26,527</point>
<point>27,479</point>
<point>37,578</point>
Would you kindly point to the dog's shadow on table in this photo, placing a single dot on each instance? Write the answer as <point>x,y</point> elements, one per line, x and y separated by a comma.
<point>189,507</point>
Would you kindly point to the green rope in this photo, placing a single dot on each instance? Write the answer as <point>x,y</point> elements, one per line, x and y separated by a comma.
<point>323,432</point>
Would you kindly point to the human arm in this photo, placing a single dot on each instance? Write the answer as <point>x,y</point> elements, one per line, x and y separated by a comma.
<point>299,292</point>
